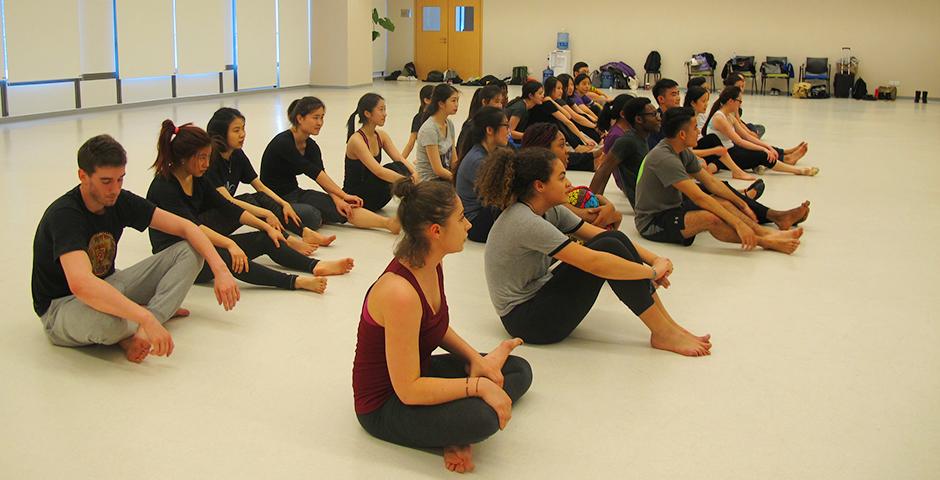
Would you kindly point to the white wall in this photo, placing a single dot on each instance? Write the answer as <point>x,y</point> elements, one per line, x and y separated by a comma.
<point>897,41</point>
<point>346,27</point>
<point>380,45</point>
<point>401,42</point>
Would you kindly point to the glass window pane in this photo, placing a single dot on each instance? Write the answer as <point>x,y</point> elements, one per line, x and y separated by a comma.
<point>464,22</point>
<point>432,19</point>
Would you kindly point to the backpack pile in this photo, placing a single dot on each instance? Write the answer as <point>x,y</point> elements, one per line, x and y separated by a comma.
<point>620,75</point>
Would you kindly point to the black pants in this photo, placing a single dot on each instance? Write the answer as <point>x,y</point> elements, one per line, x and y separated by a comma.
<point>482,223</point>
<point>375,192</point>
<point>562,303</point>
<point>711,141</point>
<point>226,226</point>
<point>256,244</point>
<point>749,159</point>
<point>760,211</point>
<point>580,162</point>
<point>323,211</point>
<point>460,422</point>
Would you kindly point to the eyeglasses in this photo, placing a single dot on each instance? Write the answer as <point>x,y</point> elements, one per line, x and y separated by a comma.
<point>655,114</point>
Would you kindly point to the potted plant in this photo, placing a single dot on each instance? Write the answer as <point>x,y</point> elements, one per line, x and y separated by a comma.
<point>384,22</point>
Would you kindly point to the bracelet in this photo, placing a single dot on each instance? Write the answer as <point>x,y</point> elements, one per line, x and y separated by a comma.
<point>477,393</point>
<point>467,388</point>
<point>654,272</point>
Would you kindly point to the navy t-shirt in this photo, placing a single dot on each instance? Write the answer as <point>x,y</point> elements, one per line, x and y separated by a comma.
<point>67,226</point>
<point>168,194</point>
<point>229,173</point>
<point>282,162</point>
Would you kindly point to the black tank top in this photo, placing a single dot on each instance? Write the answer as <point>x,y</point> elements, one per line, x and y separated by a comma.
<point>356,172</point>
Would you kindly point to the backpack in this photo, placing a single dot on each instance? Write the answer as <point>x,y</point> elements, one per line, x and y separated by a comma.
<point>435,76</point>
<point>621,67</point>
<point>653,62</point>
<point>771,68</point>
<point>450,76</point>
<point>801,90</point>
<point>410,70</point>
<point>818,91</point>
<point>519,75</point>
<point>727,69</point>
<point>703,62</point>
<point>860,89</point>
<point>596,79</point>
<point>393,76</point>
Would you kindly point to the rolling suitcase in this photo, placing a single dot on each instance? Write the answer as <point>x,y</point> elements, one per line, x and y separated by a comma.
<point>843,85</point>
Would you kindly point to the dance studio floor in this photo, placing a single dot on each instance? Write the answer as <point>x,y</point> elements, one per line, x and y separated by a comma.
<point>824,362</point>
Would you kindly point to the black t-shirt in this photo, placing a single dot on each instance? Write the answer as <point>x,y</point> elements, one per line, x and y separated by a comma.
<point>543,113</point>
<point>168,194</point>
<point>417,121</point>
<point>229,173</point>
<point>67,226</point>
<point>281,163</point>
<point>518,110</point>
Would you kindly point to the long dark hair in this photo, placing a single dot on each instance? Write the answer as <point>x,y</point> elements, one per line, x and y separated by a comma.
<point>612,111</point>
<point>549,84</point>
<point>367,103</point>
<point>440,95</point>
<point>486,117</point>
<point>729,93</point>
<point>529,88</point>
<point>176,144</point>
<point>508,176</point>
<point>424,94</point>
<point>483,94</point>
<point>302,107</point>
<point>565,80</point>
<point>540,135</point>
<point>693,94</point>
<point>580,78</point>
<point>424,204</point>
<point>217,128</point>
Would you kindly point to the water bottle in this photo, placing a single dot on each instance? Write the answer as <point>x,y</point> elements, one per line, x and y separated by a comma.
<point>548,72</point>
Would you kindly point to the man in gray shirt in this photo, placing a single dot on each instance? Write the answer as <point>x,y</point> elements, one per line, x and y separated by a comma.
<point>672,208</point>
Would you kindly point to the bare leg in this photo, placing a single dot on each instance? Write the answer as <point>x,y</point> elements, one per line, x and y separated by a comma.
<point>703,221</point>
<point>787,168</point>
<point>662,309</point>
<point>316,238</point>
<point>802,147</point>
<point>326,268</point>
<point>665,335</point>
<point>363,218</point>
<point>736,171</point>
<point>459,458</point>
<point>313,284</point>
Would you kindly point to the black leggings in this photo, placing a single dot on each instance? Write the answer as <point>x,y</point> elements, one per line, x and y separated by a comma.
<point>375,192</point>
<point>759,209</point>
<point>563,302</point>
<point>711,141</point>
<point>580,161</point>
<point>323,211</point>
<point>226,226</point>
<point>749,159</point>
<point>460,422</point>
<point>256,244</point>
<point>482,223</point>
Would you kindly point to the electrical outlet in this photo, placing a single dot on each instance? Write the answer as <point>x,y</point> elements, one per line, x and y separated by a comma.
<point>406,13</point>
<point>895,83</point>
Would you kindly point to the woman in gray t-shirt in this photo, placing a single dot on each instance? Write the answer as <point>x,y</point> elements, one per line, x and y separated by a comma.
<point>542,306</point>
<point>436,138</point>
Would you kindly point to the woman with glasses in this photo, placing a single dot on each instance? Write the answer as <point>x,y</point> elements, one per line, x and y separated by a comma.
<point>748,151</point>
<point>489,130</point>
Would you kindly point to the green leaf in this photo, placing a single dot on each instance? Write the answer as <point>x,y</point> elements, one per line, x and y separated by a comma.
<point>374,35</point>
<point>375,15</point>
<point>387,24</point>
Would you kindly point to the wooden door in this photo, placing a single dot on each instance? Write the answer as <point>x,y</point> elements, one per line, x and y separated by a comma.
<point>431,28</point>
<point>465,37</point>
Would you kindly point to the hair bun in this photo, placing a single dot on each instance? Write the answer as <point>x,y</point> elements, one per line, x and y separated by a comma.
<point>404,187</point>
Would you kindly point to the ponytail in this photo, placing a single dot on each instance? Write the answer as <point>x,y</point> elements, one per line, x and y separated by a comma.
<point>420,205</point>
<point>508,176</point>
<point>177,144</point>
<point>302,107</point>
<point>729,93</point>
<point>440,95</point>
<point>487,117</point>
<point>367,103</point>
<point>613,111</point>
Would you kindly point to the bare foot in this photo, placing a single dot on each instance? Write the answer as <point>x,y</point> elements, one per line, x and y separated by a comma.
<point>136,347</point>
<point>742,175</point>
<point>459,458</point>
<point>326,268</point>
<point>794,157</point>
<point>794,233</point>
<point>680,342</point>
<point>806,215</point>
<point>786,219</point>
<point>779,243</point>
<point>711,168</point>
<point>809,171</point>
<point>502,351</point>
<point>313,284</point>
<point>304,248</point>
<point>316,238</point>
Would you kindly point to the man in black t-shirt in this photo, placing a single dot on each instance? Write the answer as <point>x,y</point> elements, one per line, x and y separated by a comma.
<point>79,295</point>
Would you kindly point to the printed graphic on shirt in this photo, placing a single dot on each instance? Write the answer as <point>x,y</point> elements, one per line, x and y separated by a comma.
<point>101,252</point>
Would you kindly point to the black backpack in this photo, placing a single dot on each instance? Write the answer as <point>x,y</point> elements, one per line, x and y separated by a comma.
<point>435,76</point>
<point>653,62</point>
<point>410,70</point>
<point>860,90</point>
<point>519,75</point>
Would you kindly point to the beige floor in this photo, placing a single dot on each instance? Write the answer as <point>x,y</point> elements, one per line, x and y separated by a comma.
<point>825,362</point>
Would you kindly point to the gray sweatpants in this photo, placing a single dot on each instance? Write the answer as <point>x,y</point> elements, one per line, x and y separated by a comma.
<point>160,283</point>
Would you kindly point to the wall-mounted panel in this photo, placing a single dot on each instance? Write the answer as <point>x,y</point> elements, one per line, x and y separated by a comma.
<point>193,85</point>
<point>200,35</point>
<point>256,43</point>
<point>44,98</point>
<point>145,38</point>
<point>146,89</point>
<point>294,42</point>
<point>96,31</point>
<point>98,93</point>
<point>42,39</point>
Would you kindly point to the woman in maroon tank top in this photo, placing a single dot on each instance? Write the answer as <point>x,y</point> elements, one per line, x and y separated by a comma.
<point>366,177</point>
<point>403,394</point>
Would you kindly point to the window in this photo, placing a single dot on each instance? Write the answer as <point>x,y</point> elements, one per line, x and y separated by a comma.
<point>464,20</point>
<point>431,19</point>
